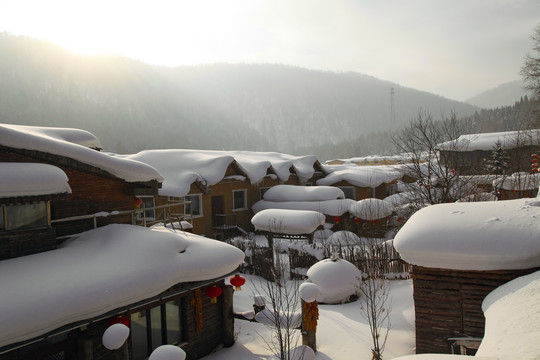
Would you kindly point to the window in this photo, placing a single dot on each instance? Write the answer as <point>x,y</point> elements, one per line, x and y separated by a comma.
<point>239,199</point>
<point>349,191</point>
<point>195,208</point>
<point>262,191</point>
<point>148,204</point>
<point>155,327</point>
<point>391,189</point>
<point>24,216</point>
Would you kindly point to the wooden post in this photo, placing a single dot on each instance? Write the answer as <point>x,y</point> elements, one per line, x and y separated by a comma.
<point>309,337</point>
<point>228,317</point>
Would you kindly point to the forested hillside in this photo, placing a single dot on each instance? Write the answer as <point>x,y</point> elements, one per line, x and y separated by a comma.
<point>132,106</point>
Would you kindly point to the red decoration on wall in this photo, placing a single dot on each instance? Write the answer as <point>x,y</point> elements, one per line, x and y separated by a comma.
<point>119,320</point>
<point>337,219</point>
<point>137,202</point>
<point>237,281</point>
<point>213,292</point>
<point>357,220</point>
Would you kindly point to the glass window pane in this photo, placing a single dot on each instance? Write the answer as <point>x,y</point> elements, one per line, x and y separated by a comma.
<point>349,192</point>
<point>138,335</point>
<point>239,199</point>
<point>195,206</point>
<point>26,216</point>
<point>155,315</point>
<point>174,330</point>
<point>2,225</point>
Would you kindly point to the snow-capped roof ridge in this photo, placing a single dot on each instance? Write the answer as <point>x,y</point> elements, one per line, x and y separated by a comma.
<point>487,141</point>
<point>32,179</point>
<point>53,141</point>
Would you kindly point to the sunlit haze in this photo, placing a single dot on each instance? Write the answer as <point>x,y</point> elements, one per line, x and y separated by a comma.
<point>451,48</point>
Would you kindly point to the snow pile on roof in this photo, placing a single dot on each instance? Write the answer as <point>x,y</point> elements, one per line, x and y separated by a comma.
<point>102,270</point>
<point>29,179</point>
<point>518,182</point>
<point>487,141</point>
<point>371,209</point>
<point>303,193</point>
<point>473,236</point>
<point>336,207</point>
<point>512,314</point>
<point>182,167</point>
<point>364,176</point>
<point>343,238</point>
<point>337,280</point>
<point>290,222</point>
<point>72,143</point>
<point>75,136</point>
<point>369,160</point>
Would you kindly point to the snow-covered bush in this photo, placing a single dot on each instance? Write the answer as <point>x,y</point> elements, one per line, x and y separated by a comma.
<point>337,279</point>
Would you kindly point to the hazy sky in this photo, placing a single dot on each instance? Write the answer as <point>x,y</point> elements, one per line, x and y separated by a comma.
<point>453,48</point>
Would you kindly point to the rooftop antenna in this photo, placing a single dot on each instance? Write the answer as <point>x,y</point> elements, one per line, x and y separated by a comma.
<point>392,110</point>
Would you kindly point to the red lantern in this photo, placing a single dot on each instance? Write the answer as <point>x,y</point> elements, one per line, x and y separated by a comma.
<point>337,219</point>
<point>119,320</point>
<point>237,281</point>
<point>357,220</point>
<point>213,292</point>
<point>137,202</point>
<point>373,221</point>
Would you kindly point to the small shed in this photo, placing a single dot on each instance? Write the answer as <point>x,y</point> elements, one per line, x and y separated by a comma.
<point>460,252</point>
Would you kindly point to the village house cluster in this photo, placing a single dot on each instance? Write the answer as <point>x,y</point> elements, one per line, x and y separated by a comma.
<point>72,263</point>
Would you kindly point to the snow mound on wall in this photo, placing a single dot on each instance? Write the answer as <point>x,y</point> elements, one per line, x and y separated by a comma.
<point>491,235</point>
<point>371,209</point>
<point>102,270</point>
<point>337,280</point>
<point>336,207</point>
<point>512,314</point>
<point>27,179</point>
<point>291,222</point>
<point>303,193</point>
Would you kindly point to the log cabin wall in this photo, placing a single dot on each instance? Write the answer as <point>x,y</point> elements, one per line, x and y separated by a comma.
<point>448,303</point>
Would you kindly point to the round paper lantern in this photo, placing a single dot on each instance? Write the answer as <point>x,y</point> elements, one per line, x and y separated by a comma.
<point>337,219</point>
<point>115,336</point>
<point>119,320</point>
<point>137,202</point>
<point>213,292</point>
<point>237,281</point>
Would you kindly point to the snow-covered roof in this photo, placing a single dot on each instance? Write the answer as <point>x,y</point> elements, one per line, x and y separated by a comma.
<point>303,193</point>
<point>181,167</point>
<point>371,209</point>
<point>102,270</point>
<point>292,222</point>
<point>32,179</point>
<point>74,144</point>
<point>363,176</point>
<point>518,182</point>
<point>494,235</point>
<point>336,207</point>
<point>487,141</point>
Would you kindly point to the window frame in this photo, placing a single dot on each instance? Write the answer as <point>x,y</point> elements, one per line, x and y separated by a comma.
<point>348,188</point>
<point>188,207</point>
<point>149,211</point>
<point>244,205</point>
<point>44,218</point>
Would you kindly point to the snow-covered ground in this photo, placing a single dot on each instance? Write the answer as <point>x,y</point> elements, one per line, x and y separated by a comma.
<point>342,332</point>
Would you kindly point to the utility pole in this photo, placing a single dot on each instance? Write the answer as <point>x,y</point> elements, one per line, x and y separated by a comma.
<point>392,110</point>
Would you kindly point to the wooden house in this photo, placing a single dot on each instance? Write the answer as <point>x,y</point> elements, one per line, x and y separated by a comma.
<point>100,184</point>
<point>59,298</point>
<point>491,153</point>
<point>220,187</point>
<point>460,252</point>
